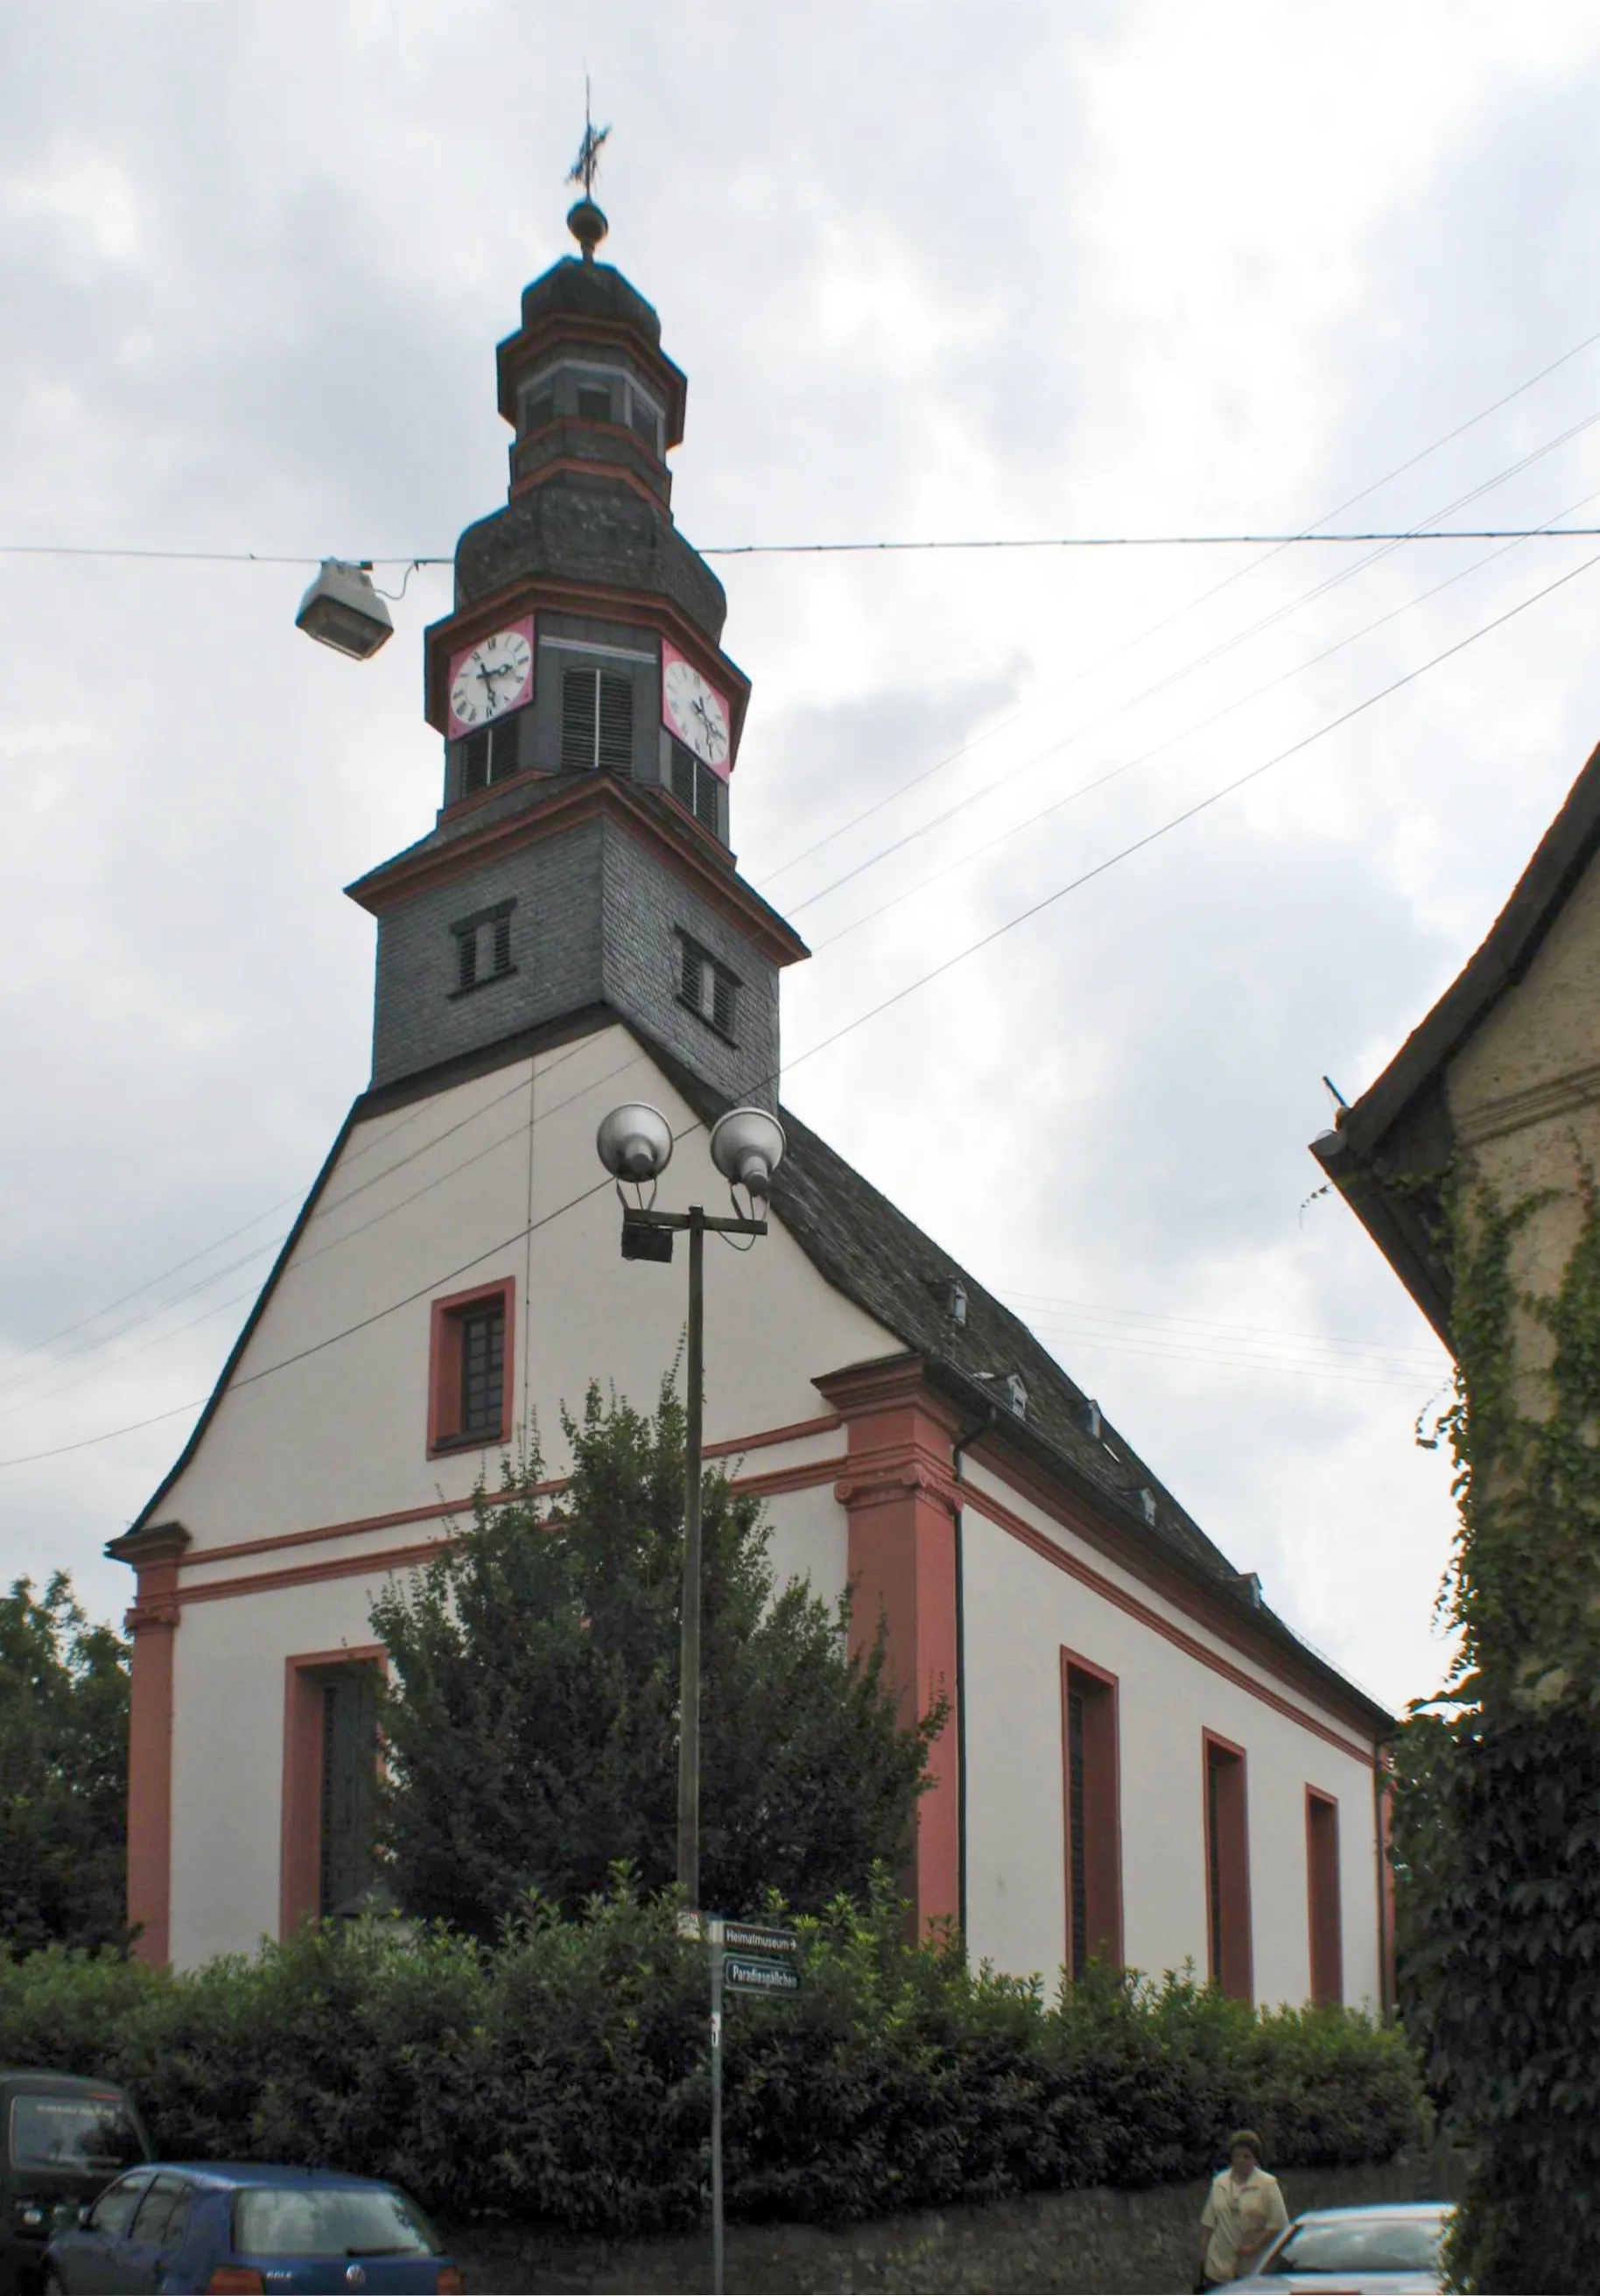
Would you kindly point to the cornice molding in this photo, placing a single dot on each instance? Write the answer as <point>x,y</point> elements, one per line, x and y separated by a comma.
<point>596,797</point>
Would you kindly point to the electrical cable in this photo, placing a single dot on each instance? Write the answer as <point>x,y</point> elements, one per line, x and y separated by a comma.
<point>1420,455</point>
<point>1204,597</point>
<point>431,1289</point>
<point>1084,789</point>
<point>1171,678</point>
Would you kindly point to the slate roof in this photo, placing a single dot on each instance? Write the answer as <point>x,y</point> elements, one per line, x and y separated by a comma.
<point>867,1248</point>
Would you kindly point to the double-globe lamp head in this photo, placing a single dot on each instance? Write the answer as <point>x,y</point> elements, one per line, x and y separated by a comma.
<point>747,1144</point>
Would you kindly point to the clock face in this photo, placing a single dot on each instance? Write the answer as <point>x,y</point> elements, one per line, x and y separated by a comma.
<point>491,677</point>
<point>695,711</point>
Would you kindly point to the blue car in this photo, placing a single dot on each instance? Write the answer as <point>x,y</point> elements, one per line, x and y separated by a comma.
<point>250,2229</point>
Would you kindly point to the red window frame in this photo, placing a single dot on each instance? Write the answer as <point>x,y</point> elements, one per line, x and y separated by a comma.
<point>1103,1808</point>
<point>1325,1916</point>
<point>1229,1959</point>
<point>447,1322</point>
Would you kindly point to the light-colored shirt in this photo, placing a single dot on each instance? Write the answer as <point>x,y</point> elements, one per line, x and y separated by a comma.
<point>1241,2218</point>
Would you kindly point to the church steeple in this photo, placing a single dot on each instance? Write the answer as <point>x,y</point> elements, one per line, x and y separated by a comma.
<point>580,860</point>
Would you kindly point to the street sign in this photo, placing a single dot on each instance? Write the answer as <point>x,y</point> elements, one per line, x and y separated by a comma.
<point>755,1936</point>
<point>742,1972</point>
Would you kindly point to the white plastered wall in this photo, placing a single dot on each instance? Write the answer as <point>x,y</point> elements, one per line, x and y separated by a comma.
<point>1019,1611</point>
<point>429,1201</point>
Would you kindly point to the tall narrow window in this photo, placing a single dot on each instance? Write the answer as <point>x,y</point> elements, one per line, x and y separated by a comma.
<point>594,402</point>
<point>597,722</point>
<point>1229,1961</point>
<point>1094,1860</point>
<point>470,1377</point>
<point>349,1773</point>
<point>1321,1892</point>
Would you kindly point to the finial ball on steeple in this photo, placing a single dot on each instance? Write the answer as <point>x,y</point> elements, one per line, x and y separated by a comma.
<point>588,226</point>
<point>585,220</point>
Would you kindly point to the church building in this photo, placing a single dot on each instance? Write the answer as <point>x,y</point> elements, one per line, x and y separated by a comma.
<point>1141,1760</point>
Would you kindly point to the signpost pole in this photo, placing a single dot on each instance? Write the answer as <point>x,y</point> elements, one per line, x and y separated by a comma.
<point>717,2109</point>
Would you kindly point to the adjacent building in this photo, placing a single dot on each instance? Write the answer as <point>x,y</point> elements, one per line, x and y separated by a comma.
<point>1141,1759</point>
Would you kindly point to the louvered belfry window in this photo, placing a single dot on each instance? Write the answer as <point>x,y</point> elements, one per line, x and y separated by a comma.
<point>694,785</point>
<point>597,722</point>
<point>710,988</point>
<point>491,754</point>
<point>482,948</point>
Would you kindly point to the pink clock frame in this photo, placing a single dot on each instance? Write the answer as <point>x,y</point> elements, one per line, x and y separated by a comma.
<point>669,654</point>
<point>454,727</point>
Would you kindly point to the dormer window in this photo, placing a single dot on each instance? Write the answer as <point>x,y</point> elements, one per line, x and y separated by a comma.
<point>483,947</point>
<point>694,786</point>
<point>597,722</point>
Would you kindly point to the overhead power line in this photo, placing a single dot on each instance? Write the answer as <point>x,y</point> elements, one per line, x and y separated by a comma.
<point>935,972</point>
<point>882,547</point>
<point>11,1375</point>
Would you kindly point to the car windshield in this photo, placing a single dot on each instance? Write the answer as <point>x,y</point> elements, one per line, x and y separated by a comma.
<point>306,2221</point>
<point>1363,2245</point>
<point>90,2135</point>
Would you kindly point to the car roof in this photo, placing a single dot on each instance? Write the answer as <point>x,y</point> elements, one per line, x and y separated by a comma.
<point>1368,2210</point>
<point>40,2077</point>
<point>239,2176</point>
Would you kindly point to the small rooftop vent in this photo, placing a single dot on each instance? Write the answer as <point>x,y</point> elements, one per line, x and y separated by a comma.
<point>1250,1586</point>
<point>1014,1389</point>
<point>955,1300</point>
<point>1092,1420</point>
<point>1147,1503</point>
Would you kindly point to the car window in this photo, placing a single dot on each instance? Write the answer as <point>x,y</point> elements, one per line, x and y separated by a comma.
<point>114,2212</point>
<point>368,2220</point>
<point>88,2133</point>
<point>1363,2245</point>
<point>163,2214</point>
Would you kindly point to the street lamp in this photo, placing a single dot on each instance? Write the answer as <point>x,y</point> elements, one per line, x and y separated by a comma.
<point>635,1145</point>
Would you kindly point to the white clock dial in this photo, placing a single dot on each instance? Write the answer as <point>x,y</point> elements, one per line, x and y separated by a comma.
<point>696,712</point>
<point>492,678</point>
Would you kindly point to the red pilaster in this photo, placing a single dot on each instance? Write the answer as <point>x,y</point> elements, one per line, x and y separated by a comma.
<point>155,1554</point>
<point>901,1497</point>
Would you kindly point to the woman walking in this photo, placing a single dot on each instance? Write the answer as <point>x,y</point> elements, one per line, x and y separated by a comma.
<point>1243,2210</point>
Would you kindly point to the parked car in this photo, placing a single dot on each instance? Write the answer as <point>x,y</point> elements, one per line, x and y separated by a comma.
<point>1391,2248</point>
<point>246,2229</point>
<point>62,2141</point>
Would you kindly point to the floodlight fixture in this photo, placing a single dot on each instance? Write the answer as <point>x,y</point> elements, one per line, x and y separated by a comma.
<point>634,1142</point>
<point>747,1146</point>
<point>342,610</point>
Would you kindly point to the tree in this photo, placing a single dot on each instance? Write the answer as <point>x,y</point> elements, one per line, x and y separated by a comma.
<point>530,1717</point>
<point>63,1772</point>
<point>1497,1800</point>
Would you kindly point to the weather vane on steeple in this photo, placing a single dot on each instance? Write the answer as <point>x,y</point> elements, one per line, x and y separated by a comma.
<point>584,221</point>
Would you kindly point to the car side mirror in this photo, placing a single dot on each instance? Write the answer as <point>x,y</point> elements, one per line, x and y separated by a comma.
<point>68,2216</point>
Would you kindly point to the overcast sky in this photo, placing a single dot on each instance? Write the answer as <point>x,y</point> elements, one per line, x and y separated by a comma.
<point>934,271</point>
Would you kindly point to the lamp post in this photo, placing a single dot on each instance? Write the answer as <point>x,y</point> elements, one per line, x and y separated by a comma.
<point>635,1145</point>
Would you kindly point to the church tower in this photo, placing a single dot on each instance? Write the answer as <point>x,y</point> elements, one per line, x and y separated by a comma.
<point>581,866</point>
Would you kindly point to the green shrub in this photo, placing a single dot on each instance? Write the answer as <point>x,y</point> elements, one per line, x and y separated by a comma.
<point>559,2075</point>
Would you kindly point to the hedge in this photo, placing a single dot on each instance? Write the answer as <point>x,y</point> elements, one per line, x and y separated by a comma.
<point>559,2076</point>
